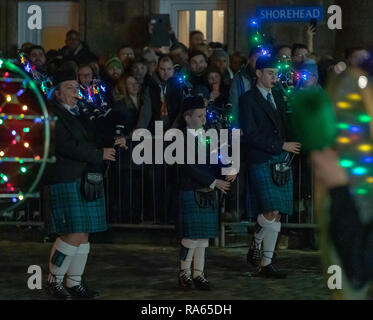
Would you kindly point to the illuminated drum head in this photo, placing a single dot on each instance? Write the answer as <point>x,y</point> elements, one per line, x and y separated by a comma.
<point>24,136</point>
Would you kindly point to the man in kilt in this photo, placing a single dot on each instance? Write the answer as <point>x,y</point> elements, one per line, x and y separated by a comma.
<point>198,206</point>
<point>263,122</point>
<point>72,216</point>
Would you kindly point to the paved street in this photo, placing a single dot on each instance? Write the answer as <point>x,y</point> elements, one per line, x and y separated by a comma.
<point>121,271</point>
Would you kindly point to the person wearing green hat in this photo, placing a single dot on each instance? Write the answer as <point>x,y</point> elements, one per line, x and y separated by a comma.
<point>265,135</point>
<point>74,209</point>
<point>113,69</point>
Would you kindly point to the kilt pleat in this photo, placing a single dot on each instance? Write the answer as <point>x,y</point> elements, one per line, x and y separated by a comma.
<point>196,222</point>
<point>264,195</point>
<point>71,213</point>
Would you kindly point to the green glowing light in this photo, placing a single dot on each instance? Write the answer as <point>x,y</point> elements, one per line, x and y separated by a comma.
<point>345,163</point>
<point>364,118</point>
<point>343,126</point>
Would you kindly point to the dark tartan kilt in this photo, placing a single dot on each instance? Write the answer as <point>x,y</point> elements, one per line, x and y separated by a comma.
<point>196,222</point>
<point>70,213</point>
<point>264,194</point>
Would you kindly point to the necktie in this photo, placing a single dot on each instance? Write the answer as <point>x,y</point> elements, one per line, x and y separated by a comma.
<point>75,111</point>
<point>269,98</point>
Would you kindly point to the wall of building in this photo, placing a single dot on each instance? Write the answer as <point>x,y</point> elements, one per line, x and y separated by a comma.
<point>107,24</point>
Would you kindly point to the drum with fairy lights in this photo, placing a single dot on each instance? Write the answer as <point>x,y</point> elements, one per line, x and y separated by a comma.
<point>24,136</point>
<point>352,98</point>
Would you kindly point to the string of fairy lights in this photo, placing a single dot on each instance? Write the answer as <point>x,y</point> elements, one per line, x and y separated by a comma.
<point>289,78</point>
<point>354,142</point>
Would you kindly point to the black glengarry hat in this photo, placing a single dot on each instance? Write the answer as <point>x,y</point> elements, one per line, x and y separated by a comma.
<point>191,103</point>
<point>266,62</point>
<point>64,75</point>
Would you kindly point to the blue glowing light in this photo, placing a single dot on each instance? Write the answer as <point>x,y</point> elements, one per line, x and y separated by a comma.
<point>254,22</point>
<point>368,159</point>
<point>20,92</point>
<point>355,129</point>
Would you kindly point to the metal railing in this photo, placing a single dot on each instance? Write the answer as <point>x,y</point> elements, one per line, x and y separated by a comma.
<point>143,196</point>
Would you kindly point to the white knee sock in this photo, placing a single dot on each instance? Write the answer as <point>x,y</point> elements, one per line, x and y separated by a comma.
<point>263,222</point>
<point>199,258</point>
<point>188,247</point>
<point>77,265</point>
<point>269,242</point>
<point>61,260</point>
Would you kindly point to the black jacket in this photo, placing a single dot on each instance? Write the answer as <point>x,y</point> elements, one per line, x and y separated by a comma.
<point>174,98</point>
<point>195,176</point>
<point>83,55</point>
<point>75,146</point>
<point>264,129</point>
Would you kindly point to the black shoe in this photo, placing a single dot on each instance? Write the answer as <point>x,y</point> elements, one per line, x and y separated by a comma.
<point>201,283</point>
<point>57,290</point>
<point>270,271</point>
<point>254,255</point>
<point>185,279</point>
<point>81,291</point>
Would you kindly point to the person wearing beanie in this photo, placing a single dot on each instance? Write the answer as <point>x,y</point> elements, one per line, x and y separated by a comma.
<point>113,69</point>
<point>266,143</point>
<point>198,207</point>
<point>74,210</point>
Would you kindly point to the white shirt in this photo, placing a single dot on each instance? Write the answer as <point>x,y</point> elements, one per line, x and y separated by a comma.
<point>264,93</point>
<point>68,108</point>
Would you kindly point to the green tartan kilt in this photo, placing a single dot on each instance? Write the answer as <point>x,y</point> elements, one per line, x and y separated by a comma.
<point>71,213</point>
<point>265,195</point>
<point>196,222</point>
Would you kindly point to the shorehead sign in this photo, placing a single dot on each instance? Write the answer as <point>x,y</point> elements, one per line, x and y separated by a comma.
<point>290,13</point>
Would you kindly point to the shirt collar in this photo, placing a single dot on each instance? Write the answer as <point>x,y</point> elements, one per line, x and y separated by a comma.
<point>264,92</point>
<point>68,108</point>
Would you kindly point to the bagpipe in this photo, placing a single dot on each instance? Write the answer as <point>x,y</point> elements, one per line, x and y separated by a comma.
<point>94,100</point>
<point>41,79</point>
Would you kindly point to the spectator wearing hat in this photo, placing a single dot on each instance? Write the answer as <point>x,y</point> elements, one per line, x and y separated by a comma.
<point>112,72</point>
<point>74,211</point>
<point>265,135</point>
<point>198,210</point>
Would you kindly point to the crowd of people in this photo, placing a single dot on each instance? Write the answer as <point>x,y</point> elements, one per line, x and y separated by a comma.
<point>173,85</point>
